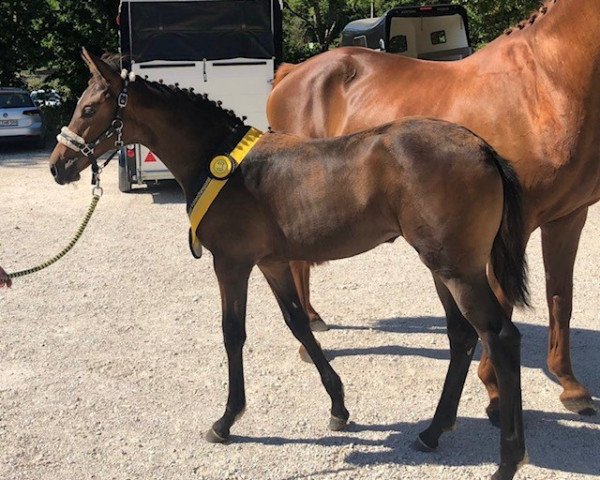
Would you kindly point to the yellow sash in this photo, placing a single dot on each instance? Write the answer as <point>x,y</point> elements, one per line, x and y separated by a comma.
<point>220,166</point>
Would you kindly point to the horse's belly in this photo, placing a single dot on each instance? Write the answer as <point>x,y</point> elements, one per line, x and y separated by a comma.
<point>352,239</point>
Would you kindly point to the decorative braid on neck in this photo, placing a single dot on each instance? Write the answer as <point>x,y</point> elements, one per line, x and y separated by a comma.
<point>533,17</point>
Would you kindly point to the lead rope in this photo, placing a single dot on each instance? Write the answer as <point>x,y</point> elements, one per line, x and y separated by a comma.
<point>96,195</point>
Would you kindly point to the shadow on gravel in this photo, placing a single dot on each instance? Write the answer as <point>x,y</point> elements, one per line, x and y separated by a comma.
<point>584,346</point>
<point>21,154</point>
<point>167,192</point>
<point>551,443</point>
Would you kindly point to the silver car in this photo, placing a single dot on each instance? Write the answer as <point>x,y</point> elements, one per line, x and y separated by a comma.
<point>19,117</point>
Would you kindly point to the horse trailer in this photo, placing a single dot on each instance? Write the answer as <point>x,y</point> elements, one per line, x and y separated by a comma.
<point>228,49</point>
<point>433,32</point>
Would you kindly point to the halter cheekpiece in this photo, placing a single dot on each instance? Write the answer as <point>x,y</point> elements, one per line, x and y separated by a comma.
<point>77,143</point>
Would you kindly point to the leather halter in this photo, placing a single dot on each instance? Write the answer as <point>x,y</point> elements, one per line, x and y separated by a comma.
<point>77,143</point>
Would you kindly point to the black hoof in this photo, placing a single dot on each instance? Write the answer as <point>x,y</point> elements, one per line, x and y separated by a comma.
<point>420,446</point>
<point>494,416</point>
<point>581,406</point>
<point>588,412</point>
<point>318,325</point>
<point>337,424</point>
<point>504,474</point>
<point>214,437</point>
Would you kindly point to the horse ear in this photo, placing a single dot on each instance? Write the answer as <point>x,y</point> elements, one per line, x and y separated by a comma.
<point>101,70</point>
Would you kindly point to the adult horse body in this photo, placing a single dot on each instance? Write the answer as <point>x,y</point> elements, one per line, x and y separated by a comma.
<point>436,184</point>
<point>533,95</point>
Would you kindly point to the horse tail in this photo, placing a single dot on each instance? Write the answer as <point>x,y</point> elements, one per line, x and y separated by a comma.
<point>508,252</point>
<point>282,71</point>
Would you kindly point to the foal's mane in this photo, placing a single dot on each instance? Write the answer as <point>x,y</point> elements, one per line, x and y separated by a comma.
<point>186,94</point>
<point>535,15</point>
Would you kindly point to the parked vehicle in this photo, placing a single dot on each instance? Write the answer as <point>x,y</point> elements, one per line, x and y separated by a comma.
<point>227,49</point>
<point>46,98</point>
<point>433,32</point>
<point>20,119</point>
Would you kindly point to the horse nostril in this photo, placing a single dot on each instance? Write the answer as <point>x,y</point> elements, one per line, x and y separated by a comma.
<point>53,171</point>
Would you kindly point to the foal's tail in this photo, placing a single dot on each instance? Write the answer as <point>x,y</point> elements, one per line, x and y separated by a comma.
<point>508,252</point>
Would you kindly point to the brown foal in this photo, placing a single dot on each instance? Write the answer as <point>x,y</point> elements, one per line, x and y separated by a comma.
<point>436,184</point>
<point>533,94</point>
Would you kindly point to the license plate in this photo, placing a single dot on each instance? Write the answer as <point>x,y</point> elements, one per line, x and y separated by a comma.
<point>9,123</point>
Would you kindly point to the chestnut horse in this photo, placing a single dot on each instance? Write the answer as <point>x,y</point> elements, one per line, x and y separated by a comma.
<point>436,184</point>
<point>533,94</point>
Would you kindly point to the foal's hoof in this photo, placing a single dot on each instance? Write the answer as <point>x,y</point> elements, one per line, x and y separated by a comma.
<point>493,414</point>
<point>508,472</point>
<point>214,437</point>
<point>582,406</point>
<point>304,356</point>
<point>318,325</point>
<point>337,424</point>
<point>504,473</point>
<point>420,446</point>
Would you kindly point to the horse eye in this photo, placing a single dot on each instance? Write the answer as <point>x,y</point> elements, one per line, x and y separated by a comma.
<point>88,112</point>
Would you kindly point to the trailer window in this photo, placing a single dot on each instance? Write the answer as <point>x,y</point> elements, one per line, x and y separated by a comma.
<point>398,44</point>
<point>360,41</point>
<point>439,37</point>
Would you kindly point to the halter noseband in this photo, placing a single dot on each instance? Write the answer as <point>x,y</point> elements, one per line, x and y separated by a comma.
<point>77,143</point>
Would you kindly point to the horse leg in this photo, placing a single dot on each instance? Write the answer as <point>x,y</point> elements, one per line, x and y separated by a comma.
<point>279,276</point>
<point>301,273</point>
<point>502,340</point>
<point>233,285</point>
<point>486,371</point>
<point>560,240</point>
<point>463,339</point>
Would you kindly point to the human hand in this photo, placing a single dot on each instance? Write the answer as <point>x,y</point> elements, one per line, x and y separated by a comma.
<point>4,279</point>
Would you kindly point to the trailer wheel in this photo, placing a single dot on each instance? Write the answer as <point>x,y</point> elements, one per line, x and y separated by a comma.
<point>125,184</point>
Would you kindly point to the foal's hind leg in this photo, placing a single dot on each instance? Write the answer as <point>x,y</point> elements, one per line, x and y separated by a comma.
<point>502,340</point>
<point>301,273</point>
<point>280,279</point>
<point>463,340</point>
<point>486,371</point>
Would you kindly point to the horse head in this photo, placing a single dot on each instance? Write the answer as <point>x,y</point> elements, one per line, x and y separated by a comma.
<point>97,125</point>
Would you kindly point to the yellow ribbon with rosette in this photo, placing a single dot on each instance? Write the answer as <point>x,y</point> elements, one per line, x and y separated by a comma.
<point>221,168</point>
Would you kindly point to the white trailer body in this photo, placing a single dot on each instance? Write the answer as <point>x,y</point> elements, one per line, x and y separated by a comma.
<point>227,49</point>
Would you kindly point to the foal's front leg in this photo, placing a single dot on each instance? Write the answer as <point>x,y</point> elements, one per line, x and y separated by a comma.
<point>233,284</point>
<point>279,276</point>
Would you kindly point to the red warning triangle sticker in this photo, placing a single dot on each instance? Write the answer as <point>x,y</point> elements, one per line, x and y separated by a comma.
<point>150,157</point>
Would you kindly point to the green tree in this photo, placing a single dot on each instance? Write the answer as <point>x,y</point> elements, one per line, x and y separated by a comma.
<point>77,24</point>
<point>20,25</point>
<point>489,18</point>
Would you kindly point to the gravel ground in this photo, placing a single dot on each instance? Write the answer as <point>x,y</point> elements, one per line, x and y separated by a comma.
<point>112,364</point>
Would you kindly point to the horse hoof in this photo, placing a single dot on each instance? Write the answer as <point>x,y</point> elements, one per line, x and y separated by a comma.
<point>318,325</point>
<point>494,416</point>
<point>504,474</point>
<point>420,446</point>
<point>214,437</point>
<point>337,424</point>
<point>304,356</point>
<point>581,406</point>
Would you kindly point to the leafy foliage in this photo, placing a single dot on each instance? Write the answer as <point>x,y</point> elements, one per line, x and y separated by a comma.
<point>46,35</point>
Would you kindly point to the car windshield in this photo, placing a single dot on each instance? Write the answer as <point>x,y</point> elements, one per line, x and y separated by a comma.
<point>15,100</point>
